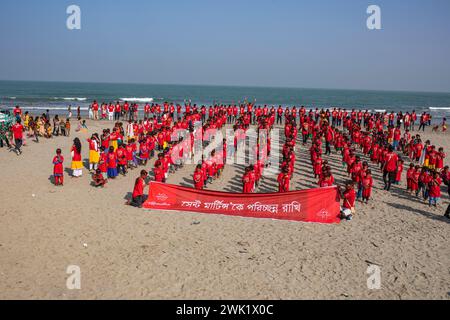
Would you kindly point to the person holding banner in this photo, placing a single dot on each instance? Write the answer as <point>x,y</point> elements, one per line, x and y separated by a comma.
<point>138,191</point>
<point>349,197</point>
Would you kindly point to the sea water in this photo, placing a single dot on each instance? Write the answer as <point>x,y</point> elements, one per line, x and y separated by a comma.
<point>36,97</point>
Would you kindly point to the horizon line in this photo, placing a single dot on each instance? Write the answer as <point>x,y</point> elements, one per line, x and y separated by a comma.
<point>227,86</point>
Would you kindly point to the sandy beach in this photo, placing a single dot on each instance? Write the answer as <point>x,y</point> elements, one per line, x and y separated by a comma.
<point>130,253</point>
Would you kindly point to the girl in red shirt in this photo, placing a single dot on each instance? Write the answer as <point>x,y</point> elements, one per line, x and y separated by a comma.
<point>367,184</point>
<point>58,169</point>
<point>77,164</point>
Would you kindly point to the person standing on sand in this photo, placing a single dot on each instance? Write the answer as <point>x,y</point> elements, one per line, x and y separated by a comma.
<point>17,131</point>
<point>95,110</point>
<point>283,181</point>
<point>247,181</point>
<point>390,168</point>
<point>58,169</point>
<point>349,197</point>
<point>94,154</point>
<point>77,164</point>
<point>199,182</point>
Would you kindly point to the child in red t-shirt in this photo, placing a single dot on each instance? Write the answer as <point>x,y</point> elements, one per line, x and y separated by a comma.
<point>58,169</point>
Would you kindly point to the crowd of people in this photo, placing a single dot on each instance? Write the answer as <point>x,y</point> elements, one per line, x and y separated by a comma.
<point>169,136</point>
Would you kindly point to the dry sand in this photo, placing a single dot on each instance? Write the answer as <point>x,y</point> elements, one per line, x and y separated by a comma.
<point>137,254</point>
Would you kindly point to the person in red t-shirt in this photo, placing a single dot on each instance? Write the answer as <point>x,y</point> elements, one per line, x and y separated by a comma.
<point>283,181</point>
<point>434,187</point>
<point>198,177</point>
<point>122,160</point>
<point>349,199</point>
<point>58,169</point>
<point>248,183</point>
<point>138,191</point>
<point>17,131</point>
<point>390,168</point>
<point>367,184</point>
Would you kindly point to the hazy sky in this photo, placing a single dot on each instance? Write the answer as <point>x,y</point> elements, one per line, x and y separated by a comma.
<point>313,43</point>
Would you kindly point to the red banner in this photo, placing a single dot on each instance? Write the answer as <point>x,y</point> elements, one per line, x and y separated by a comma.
<point>316,205</point>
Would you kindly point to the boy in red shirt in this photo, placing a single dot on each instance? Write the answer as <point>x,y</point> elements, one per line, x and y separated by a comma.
<point>121,160</point>
<point>17,131</point>
<point>58,169</point>
<point>390,168</point>
<point>158,172</point>
<point>138,191</point>
<point>434,187</point>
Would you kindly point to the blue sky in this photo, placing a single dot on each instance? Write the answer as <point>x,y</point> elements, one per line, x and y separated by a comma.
<point>313,44</point>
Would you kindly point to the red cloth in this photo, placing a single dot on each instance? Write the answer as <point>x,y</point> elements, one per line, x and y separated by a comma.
<point>317,205</point>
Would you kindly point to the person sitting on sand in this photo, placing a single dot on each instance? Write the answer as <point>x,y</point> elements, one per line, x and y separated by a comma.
<point>98,179</point>
<point>81,125</point>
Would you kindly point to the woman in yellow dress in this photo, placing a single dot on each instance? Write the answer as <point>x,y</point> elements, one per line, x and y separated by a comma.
<point>77,163</point>
<point>94,155</point>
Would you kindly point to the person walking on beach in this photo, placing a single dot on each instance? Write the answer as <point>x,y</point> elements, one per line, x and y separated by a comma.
<point>17,131</point>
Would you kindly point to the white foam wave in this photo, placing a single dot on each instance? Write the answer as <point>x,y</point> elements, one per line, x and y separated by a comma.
<point>70,99</point>
<point>439,109</point>
<point>380,111</point>
<point>137,99</point>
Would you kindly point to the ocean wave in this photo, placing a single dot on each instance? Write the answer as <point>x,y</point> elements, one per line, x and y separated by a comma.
<point>440,109</point>
<point>380,111</point>
<point>70,99</point>
<point>137,99</point>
